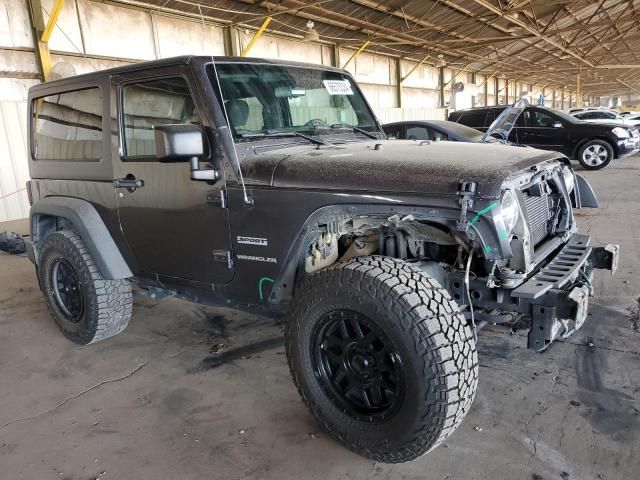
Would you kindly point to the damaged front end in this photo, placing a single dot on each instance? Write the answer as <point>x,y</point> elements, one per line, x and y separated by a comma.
<point>543,268</point>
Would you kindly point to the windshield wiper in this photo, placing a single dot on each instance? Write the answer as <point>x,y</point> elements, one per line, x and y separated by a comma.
<point>272,133</point>
<point>356,129</point>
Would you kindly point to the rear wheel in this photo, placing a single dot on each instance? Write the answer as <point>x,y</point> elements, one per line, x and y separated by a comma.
<point>595,154</point>
<point>86,307</point>
<point>382,357</point>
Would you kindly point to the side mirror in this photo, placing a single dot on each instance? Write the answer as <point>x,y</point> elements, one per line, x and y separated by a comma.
<point>557,125</point>
<point>182,143</point>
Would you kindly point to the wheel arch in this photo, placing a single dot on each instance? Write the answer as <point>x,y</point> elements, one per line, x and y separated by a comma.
<point>57,213</point>
<point>327,218</point>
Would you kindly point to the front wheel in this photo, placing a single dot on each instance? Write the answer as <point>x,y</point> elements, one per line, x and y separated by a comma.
<point>595,154</point>
<point>382,356</point>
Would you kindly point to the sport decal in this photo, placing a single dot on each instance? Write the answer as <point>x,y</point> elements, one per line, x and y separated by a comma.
<point>262,242</point>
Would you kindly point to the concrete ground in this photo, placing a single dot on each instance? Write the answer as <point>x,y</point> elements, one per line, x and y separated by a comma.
<point>191,392</point>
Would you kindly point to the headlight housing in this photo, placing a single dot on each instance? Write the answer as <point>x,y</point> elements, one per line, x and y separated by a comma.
<point>569,178</point>
<point>620,132</point>
<point>509,210</point>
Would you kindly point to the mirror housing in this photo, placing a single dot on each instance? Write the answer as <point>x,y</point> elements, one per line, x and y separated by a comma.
<point>557,125</point>
<point>183,143</point>
<point>178,143</point>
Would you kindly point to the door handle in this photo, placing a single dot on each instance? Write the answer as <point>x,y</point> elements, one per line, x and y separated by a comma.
<point>129,182</point>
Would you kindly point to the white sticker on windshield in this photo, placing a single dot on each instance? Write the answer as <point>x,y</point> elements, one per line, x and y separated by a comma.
<point>338,87</point>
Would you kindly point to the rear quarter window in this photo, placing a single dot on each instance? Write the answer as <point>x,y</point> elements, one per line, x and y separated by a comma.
<point>68,126</point>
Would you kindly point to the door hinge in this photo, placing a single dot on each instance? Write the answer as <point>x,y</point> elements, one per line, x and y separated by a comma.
<point>218,198</point>
<point>224,256</point>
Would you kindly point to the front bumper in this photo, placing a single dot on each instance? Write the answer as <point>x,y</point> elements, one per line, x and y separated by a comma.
<point>556,298</point>
<point>628,146</point>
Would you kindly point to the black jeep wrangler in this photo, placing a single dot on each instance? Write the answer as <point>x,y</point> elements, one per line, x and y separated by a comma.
<point>270,186</point>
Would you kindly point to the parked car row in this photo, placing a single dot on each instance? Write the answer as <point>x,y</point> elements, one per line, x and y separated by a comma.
<point>594,142</point>
<point>607,116</point>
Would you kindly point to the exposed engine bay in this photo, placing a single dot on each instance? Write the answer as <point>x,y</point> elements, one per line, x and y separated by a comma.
<point>534,221</point>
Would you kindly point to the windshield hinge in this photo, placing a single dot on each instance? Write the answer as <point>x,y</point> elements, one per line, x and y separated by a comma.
<point>218,198</point>
<point>225,256</point>
<point>466,192</point>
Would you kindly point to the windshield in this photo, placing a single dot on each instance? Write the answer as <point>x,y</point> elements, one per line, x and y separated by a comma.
<point>470,134</point>
<point>264,99</point>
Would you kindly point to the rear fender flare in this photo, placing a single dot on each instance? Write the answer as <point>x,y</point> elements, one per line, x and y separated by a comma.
<point>86,220</point>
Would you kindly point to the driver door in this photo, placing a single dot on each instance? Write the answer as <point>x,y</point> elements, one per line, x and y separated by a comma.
<point>541,129</point>
<point>175,227</point>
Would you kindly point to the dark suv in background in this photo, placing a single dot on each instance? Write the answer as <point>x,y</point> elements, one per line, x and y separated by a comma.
<point>594,145</point>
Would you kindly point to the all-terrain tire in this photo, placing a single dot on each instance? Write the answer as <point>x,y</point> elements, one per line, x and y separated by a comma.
<point>106,304</point>
<point>435,344</point>
<point>595,154</point>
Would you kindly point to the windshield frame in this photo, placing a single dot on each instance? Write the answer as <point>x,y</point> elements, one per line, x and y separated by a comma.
<point>210,72</point>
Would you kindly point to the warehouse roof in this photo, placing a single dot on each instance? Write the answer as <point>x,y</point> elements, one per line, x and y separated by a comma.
<point>546,42</point>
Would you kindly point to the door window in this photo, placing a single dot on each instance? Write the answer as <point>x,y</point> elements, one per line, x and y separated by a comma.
<point>154,102</point>
<point>473,119</point>
<point>416,132</point>
<point>538,118</point>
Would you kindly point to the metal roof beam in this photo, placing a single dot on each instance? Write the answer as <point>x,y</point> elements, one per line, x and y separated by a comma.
<point>523,25</point>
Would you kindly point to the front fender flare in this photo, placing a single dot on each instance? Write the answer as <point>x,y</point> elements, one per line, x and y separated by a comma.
<point>583,194</point>
<point>283,288</point>
<point>87,222</point>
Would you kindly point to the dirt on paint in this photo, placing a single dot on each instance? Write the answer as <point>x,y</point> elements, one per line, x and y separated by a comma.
<point>634,315</point>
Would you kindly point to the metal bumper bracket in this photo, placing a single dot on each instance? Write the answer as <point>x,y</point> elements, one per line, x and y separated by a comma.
<point>562,319</point>
<point>605,257</point>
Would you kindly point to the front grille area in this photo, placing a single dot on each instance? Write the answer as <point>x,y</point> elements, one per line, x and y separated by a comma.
<point>538,214</point>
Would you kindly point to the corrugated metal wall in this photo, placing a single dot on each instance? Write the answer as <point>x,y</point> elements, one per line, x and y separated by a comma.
<point>14,171</point>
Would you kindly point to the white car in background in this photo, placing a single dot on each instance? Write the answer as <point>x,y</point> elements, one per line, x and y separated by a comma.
<point>571,111</point>
<point>600,116</point>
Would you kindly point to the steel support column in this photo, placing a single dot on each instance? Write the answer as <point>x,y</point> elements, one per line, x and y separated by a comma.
<point>356,53</point>
<point>42,32</point>
<point>441,85</point>
<point>399,80</point>
<point>256,36</point>
<point>231,41</point>
<point>486,92</point>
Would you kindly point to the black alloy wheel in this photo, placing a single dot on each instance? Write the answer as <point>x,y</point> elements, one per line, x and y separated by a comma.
<point>358,366</point>
<point>382,356</point>
<point>67,290</point>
